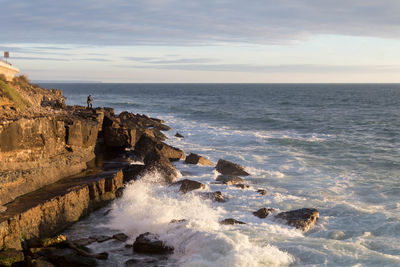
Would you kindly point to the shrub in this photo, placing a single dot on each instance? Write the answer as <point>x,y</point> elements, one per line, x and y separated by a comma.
<point>12,94</point>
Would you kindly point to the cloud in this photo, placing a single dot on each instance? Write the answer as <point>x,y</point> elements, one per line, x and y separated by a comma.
<point>40,58</point>
<point>172,59</point>
<point>289,68</point>
<point>193,22</point>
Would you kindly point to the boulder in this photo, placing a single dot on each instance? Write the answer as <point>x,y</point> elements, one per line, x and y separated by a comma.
<point>228,168</point>
<point>163,166</point>
<point>303,219</point>
<point>230,180</point>
<point>149,147</point>
<point>214,196</point>
<point>196,159</point>
<point>150,244</point>
<point>262,192</point>
<point>263,212</point>
<point>120,237</point>
<point>230,221</point>
<point>179,135</point>
<point>190,185</point>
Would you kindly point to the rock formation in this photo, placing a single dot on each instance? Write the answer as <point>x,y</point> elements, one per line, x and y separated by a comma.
<point>196,159</point>
<point>228,168</point>
<point>150,244</point>
<point>303,219</point>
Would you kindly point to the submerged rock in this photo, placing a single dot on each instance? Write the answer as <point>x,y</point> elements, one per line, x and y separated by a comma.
<point>228,168</point>
<point>101,238</point>
<point>196,159</point>
<point>303,219</point>
<point>263,212</point>
<point>150,244</point>
<point>230,221</point>
<point>120,237</point>
<point>84,241</point>
<point>243,186</point>
<point>262,192</point>
<point>230,180</point>
<point>178,221</point>
<point>190,185</point>
<point>214,196</point>
<point>179,135</point>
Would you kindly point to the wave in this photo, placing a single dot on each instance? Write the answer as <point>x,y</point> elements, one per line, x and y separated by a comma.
<point>201,240</point>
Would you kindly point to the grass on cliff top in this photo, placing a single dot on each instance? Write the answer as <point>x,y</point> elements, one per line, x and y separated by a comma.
<point>11,93</point>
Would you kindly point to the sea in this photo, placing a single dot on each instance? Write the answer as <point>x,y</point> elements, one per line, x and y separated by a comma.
<point>333,147</point>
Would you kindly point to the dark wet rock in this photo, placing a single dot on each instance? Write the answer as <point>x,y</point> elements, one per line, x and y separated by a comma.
<point>42,262</point>
<point>197,159</point>
<point>150,244</point>
<point>214,196</point>
<point>10,256</point>
<point>149,149</point>
<point>263,212</point>
<point>119,192</point>
<point>101,238</point>
<point>303,219</point>
<point>230,221</point>
<point>230,180</point>
<point>228,168</point>
<point>107,212</point>
<point>262,192</point>
<point>190,185</point>
<point>74,260</point>
<point>165,168</point>
<point>102,256</point>
<point>121,237</point>
<point>243,186</point>
<point>178,221</point>
<point>84,241</point>
<point>128,246</point>
<point>132,171</point>
<point>141,262</point>
<point>179,135</point>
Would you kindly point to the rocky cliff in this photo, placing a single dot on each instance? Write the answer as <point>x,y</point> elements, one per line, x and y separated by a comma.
<point>42,140</point>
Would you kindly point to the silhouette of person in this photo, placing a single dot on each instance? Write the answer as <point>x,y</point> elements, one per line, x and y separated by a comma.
<point>89,101</point>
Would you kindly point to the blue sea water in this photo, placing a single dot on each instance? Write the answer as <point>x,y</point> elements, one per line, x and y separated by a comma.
<point>334,147</point>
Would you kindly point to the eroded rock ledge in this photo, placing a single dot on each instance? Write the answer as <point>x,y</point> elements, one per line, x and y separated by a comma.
<point>45,144</point>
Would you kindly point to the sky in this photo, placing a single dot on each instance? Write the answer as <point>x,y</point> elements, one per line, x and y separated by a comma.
<point>204,41</point>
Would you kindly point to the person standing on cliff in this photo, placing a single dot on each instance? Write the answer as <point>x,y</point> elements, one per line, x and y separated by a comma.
<point>89,101</point>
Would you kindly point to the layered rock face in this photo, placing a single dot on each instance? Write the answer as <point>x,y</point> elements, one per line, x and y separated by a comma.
<point>42,140</point>
<point>40,150</point>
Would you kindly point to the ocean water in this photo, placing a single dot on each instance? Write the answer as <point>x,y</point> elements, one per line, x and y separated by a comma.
<point>335,148</point>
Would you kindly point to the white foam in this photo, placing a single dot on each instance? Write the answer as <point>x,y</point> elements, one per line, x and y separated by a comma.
<point>201,240</point>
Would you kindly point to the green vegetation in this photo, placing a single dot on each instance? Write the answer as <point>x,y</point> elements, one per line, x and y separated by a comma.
<point>10,256</point>
<point>22,81</point>
<point>11,93</point>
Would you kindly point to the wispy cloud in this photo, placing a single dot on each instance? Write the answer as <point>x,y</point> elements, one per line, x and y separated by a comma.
<point>194,22</point>
<point>40,58</point>
<point>289,68</point>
